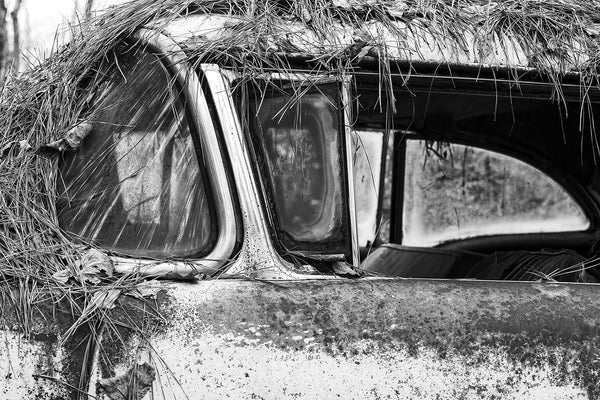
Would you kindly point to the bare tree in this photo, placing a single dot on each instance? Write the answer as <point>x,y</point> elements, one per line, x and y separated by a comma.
<point>16,51</point>
<point>87,11</point>
<point>3,38</point>
<point>89,4</point>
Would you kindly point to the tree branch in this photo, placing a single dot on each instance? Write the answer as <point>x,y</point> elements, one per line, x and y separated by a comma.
<point>16,54</point>
<point>3,38</point>
<point>89,4</point>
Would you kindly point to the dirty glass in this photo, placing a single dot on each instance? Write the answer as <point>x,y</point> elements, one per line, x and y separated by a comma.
<point>135,185</point>
<point>368,146</point>
<point>299,144</point>
<point>453,192</point>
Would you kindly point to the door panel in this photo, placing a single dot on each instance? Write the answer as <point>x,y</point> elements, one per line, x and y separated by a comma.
<point>373,338</point>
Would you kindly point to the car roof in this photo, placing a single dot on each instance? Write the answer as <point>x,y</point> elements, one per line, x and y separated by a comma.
<point>556,37</point>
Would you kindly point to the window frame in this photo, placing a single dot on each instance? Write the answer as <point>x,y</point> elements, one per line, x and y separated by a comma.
<point>149,56</point>
<point>425,79</point>
<point>263,176</point>
<point>260,245</point>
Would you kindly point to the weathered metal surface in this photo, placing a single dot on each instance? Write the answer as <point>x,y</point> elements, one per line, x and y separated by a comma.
<point>34,361</point>
<point>370,338</point>
<point>367,338</point>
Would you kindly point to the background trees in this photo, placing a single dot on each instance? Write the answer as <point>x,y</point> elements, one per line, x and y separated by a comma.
<point>83,8</point>
<point>10,36</point>
<point>22,20</point>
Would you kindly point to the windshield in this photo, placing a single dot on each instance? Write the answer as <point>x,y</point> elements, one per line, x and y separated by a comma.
<point>135,185</point>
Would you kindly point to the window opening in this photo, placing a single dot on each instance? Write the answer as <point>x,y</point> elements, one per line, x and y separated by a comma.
<point>453,192</point>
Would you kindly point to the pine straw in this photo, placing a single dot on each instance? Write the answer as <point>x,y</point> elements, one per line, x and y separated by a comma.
<point>555,37</point>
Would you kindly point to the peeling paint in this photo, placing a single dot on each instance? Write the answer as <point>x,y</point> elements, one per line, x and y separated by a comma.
<point>377,338</point>
<point>30,368</point>
<point>211,368</point>
<point>368,338</point>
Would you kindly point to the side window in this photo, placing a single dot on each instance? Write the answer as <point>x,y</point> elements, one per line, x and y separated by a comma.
<point>299,145</point>
<point>135,185</point>
<point>455,192</point>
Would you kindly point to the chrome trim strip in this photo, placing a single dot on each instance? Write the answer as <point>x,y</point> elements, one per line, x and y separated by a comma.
<point>221,254</point>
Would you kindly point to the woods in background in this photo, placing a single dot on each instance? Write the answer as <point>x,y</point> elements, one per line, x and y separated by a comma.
<point>88,8</point>
<point>11,31</point>
<point>10,37</point>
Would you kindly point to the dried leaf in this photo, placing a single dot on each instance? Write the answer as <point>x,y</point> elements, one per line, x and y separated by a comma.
<point>62,276</point>
<point>134,384</point>
<point>96,264</point>
<point>105,299</point>
<point>93,267</point>
<point>70,141</point>
<point>192,275</point>
<point>147,289</point>
<point>344,269</point>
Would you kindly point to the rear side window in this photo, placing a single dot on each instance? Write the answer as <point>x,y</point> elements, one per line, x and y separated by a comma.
<point>455,192</point>
<point>135,186</point>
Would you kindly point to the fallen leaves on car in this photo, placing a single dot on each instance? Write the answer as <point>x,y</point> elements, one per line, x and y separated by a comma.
<point>70,141</point>
<point>147,290</point>
<point>134,384</point>
<point>104,299</point>
<point>92,267</point>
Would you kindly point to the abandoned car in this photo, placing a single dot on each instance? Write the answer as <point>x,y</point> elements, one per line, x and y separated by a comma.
<point>314,199</point>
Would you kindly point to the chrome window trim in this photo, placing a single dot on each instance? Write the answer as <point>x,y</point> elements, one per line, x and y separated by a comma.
<point>221,254</point>
<point>258,256</point>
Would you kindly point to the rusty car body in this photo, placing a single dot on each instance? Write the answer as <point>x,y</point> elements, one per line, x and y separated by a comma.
<point>360,253</point>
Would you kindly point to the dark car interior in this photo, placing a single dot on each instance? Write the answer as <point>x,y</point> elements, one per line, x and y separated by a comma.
<point>527,121</point>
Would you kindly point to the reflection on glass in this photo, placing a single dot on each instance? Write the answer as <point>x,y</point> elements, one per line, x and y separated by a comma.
<point>453,192</point>
<point>368,147</point>
<point>300,143</point>
<point>135,185</point>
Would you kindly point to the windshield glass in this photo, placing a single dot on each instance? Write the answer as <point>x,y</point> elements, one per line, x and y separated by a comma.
<point>298,140</point>
<point>135,185</point>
